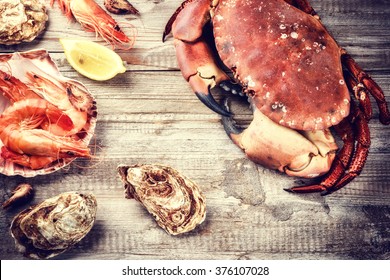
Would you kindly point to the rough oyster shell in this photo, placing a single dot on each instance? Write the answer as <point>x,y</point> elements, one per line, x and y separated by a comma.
<point>120,7</point>
<point>54,225</point>
<point>21,20</point>
<point>176,202</point>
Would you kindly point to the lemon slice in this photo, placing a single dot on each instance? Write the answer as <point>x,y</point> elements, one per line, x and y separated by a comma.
<point>92,60</point>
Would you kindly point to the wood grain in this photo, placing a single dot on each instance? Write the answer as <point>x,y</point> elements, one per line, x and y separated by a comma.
<point>149,115</point>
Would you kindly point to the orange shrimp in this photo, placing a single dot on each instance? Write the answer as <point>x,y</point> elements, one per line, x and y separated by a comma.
<point>93,18</point>
<point>66,96</point>
<point>75,102</point>
<point>33,113</point>
<point>64,6</point>
<point>39,142</point>
<point>20,133</point>
<point>32,162</point>
<point>13,89</point>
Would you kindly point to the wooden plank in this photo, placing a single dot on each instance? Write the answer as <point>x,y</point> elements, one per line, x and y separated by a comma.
<point>149,115</point>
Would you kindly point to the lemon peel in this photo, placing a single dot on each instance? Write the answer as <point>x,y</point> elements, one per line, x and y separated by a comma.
<point>92,60</point>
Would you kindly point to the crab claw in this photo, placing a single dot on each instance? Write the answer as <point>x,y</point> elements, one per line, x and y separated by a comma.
<point>199,68</point>
<point>194,56</point>
<point>302,154</point>
<point>198,82</point>
<point>202,88</point>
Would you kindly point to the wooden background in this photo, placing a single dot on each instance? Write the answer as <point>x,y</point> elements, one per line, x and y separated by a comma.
<point>149,115</point>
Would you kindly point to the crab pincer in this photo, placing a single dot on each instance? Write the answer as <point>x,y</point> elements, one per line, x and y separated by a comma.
<point>195,57</point>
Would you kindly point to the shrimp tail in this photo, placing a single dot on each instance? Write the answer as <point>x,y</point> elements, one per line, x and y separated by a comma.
<point>64,7</point>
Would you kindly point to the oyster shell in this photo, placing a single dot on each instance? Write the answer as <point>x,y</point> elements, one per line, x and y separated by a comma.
<point>120,7</point>
<point>176,202</point>
<point>54,225</point>
<point>21,20</point>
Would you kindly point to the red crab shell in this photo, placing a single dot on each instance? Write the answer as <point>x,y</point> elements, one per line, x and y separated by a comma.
<point>283,48</point>
<point>298,79</point>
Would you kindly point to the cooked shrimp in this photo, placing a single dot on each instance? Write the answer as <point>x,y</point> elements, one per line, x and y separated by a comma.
<point>66,96</point>
<point>49,118</point>
<point>15,90</point>
<point>93,18</point>
<point>64,6</point>
<point>39,142</point>
<point>33,113</point>
<point>32,162</point>
<point>20,133</point>
<point>34,75</point>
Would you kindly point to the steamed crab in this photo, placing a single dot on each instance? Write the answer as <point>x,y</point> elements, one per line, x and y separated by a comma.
<point>298,80</point>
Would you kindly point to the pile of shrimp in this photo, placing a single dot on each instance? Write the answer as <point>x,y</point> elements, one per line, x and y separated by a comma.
<point>48,118</point>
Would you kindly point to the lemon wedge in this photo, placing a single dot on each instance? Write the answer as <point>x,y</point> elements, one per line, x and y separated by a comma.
<point>92,60</point>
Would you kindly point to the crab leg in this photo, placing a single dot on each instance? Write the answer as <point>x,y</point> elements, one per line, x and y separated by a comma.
<point>344,169</point>
<point>357,72</point>
<point>195,58</point>
<point>361,95</point>
<point>360,155</point>
<point>304,6</point>
<point>363,78</point>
